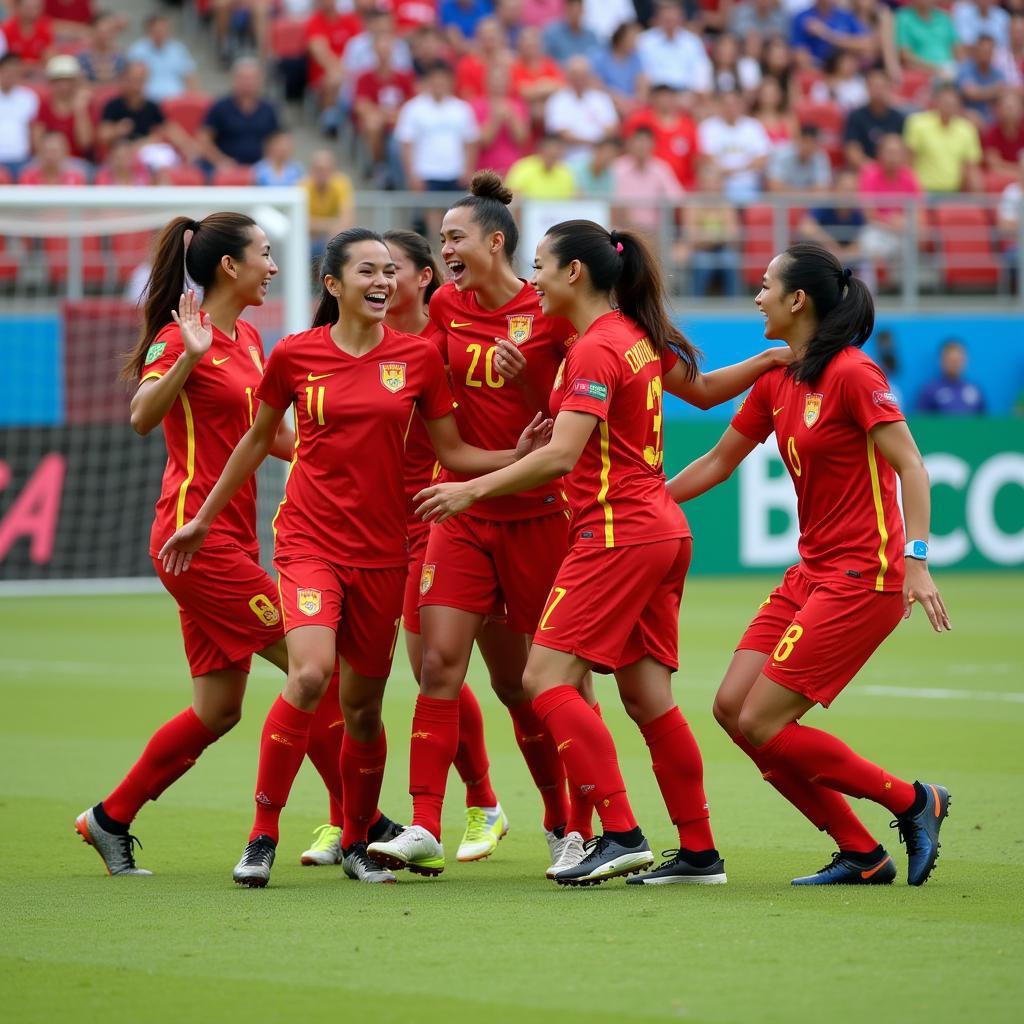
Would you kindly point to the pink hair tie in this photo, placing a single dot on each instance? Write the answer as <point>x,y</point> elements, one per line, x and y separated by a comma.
<point>618,247</point>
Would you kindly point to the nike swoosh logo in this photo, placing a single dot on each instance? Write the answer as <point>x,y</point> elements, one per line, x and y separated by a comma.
<point>878,867</point>
<point>217,362</point>
<point>775,412</point>
<point>318,376</point>
<point>457,325</point>
<point>563,745</point>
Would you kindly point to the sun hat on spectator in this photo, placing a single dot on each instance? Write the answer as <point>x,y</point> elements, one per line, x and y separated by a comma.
<point>63,65</point>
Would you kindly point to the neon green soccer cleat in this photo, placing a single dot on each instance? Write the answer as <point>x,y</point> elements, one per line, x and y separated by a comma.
<point>485,826</point>
<point>326,847</point>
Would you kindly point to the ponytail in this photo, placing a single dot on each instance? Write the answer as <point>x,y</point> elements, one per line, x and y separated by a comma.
<point>187,252</point>
<point>621,263</point>
<point>331,265</point>
<point>842,302</point>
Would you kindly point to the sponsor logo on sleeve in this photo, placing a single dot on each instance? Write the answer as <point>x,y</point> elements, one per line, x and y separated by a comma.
<point>885,398</point>
<point>589,389</point>
<point>155,351</point>
<point>812,409</point>
<point>308,601</point>
<point>392,376</point>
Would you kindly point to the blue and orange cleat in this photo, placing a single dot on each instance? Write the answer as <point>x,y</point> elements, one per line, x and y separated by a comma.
<point>920,832</point>
<point>844,871</point>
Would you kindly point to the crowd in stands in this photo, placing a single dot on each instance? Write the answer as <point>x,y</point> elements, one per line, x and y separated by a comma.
<point>633,101</point>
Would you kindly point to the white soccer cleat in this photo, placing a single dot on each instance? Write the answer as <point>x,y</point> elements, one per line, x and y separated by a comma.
<point>567,853</point>
<point>414,848</point>
<point>485,827</point>
<point>115,849</point>
<point>326,848</point>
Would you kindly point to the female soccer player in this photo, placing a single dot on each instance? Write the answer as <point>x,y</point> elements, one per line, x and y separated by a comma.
<point>614,605</point>
<point>340,546</point>
<point>844,441</point>
<point>503,353</point>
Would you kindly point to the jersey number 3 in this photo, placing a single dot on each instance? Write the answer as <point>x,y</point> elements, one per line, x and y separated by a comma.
<point>654,454</point>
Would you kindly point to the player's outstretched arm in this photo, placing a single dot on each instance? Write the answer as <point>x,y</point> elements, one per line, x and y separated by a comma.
<point>712,468</point>
<point>899,449</point>
<point>253,448</point>
<point>706,390</point>
<point>453,453</point>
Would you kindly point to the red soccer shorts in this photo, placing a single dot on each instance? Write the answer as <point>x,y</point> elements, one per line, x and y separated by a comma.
<point>418,534</point>
<point>819,635</point>
<point>228,608</point>
<point>478,565</point>
<point>363,606</point>
<point>613,606</point>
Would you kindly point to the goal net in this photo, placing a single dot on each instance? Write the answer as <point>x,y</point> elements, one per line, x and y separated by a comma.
<point>77,485</point>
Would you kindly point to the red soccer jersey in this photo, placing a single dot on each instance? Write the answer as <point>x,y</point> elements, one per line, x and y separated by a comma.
<point>29,45</point>
<point>675,142</point>
<point>211,413</point>
<point>491,412</point>
<point>345,498</point>
<point>617,488</point>
<point>337,30</point>
<point>850,522</point>
<point>389,92</point>
<point>420,459</point>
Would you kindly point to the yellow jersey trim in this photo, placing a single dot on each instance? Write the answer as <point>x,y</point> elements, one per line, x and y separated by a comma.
<point>190,458</point>
<point>152,375</point>
<point>883,533</point>
<point>602,494</point>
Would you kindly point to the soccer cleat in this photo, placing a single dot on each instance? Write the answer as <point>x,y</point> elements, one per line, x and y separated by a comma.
<point>553,844</point>
<point>485,827</point>
<point>358,864</point>
<point>326,848</point>
<point>566,853</point>
<point>253,869</point>
<point>843,871</point>
<point>116,849</point>
<point>384,829</point>
<point>677,870</point>
<point>920,832</point>
<point>413,848</point>
<point>606,858</point>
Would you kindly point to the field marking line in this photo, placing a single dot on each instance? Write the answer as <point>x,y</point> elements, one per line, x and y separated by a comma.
<point>937,693</point>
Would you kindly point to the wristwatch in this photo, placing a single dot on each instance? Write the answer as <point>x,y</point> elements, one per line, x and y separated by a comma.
<point>916,549</point>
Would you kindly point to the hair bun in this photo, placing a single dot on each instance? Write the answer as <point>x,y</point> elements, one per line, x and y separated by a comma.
<point>488,185</point>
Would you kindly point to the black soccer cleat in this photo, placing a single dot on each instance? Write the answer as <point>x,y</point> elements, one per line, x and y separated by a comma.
<point>841,870</point>
<point>920,832</point>
<point>606,858</point>
<point>677,870</point>
<point>253,870</point>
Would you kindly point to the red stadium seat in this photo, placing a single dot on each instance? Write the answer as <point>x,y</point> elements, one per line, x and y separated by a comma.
<point>964,243</point>
<point>232,176</point>
<point>129,251</point>
<point>9,261</point>
<point>57,254</point>
<point>187,110</point>
<point>5,177</point>
<point>996,181</point>
<point>829,118</point>
<point>288,38</point>
<point>758,242</point>
<point>805,80</point>
<point>186,174</point>
<point>915,87</point>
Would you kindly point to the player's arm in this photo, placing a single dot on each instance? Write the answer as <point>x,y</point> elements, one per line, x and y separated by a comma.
<point>556,458</point>
<point>249,453</point>
<point>706,390</point>
<point>453,453</point>
<point>284,442</point>
<point>899,449</point>
<point>712,468</point>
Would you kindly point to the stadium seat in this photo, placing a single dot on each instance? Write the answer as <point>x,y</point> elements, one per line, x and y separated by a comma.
<point>758,242</point>
<point>186,174</point>
<point>187,110</point>
<point>9,261</point>
<point>130,250</point>
<point>232,176</point>
<point>915,87</point>
<point>966,255</point>
<point>829,118</point>
<point>996,181</point>
<point>5,176</point>
<point>58,258</point>
<point>805,80</point>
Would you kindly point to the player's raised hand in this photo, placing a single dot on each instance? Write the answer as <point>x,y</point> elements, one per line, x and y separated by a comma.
<point>179,548</point>
<point>196,329</point>
<point>442,501</point>
<point>509,361</point>
<point>780,355</point>
<point>536,435</point>
<point>919,588</point>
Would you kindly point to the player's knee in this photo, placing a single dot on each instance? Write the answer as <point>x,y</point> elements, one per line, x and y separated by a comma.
<point>308,682</point>
<point>726,716</point>
<point>754,729</point>
<point>438,675</point>
<point>508,690</point>
<point>533,682</point>
<point>221,720</point>
<point>363,722</point>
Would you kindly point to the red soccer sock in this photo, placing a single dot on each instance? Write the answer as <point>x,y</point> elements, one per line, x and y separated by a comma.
<point>170,752</point>
<point>824,808</point>
<point>581,810</point>
<point>541,756</point>
<point>820,757</point>
<point>325,738</point>
<point>588,753</point>
<point>282,748</point>
<point>677,764</point>
<point>471,754</point>
<point>362,772</point>
<point>435,738</point>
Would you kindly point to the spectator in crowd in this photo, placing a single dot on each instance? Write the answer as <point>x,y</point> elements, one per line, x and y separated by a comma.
<point>671,54</point>
<point>238,124</point>
<point>603,17</point>
<point>503,119</point>
<point>950,393</point>
<point>982,17</point>
<point>777,61</point>
<point>122,166</point>
<point>620,69</point>
<point>131,116</point>
<point>640,181</point>
<point>53,164</point>
<point>866,125</point>
<point>172,71</point>
<point>543,174</point>
<point>29,33</point>
<point>67,108</point>
<point>1003,140</point>
<point>592,171</point>
<point>328,32</point>
<point>737,147</point>
<point>675,132</point>
<point>878,23</point>
<point>925,37</point>
<point>801,166</point>
<point>362,53</point>
<point>887,356</point>
<point>330,199</point>
<point>18,108</point>
<point>236,22</point>
<point>579,112</point>
<point>569,37</point>
<point>881,241</point>
<point>979,81</point>
<point>711,233</point>
<point>766,18</point>
<point>838,225</point>
<point>515,15</point>
<point>459,18</point>
<point>771,109</point>
<point>1010,59</point>
<point>825,28</point>
<point>1008,217</point>
<point>945,146</point>
<point>278,166</point>
<point>489,45</point>
<point>732,69</point>
<point>70,18</point>
<point>843,83</point>
<point>103,61</point>
<point>535,76</point>
<point>438,135</point>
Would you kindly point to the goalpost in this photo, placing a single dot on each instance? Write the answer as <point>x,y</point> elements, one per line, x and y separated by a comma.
<point>77,485</point>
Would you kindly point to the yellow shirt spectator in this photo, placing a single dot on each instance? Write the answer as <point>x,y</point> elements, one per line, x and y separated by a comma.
<point>941,152</point>
<point>531,178</point>
<point>331,200</point>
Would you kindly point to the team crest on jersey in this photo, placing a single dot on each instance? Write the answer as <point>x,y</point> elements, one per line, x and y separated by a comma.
<point>812,409</point>
<point>520,327</point>
<point>392,376</point>
<point>427,577</point>
<point>265,610</point>
<point>308,601</point>
<point>254,354</point>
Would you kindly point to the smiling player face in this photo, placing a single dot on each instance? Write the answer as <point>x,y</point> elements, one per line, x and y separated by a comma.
<point>255,269</point>
<point>367,283</point>
<point>471,256</point>
<point>778,307</point>
<point>551,281</point>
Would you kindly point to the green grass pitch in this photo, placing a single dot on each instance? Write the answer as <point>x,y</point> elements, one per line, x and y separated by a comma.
<point>85,680</point>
